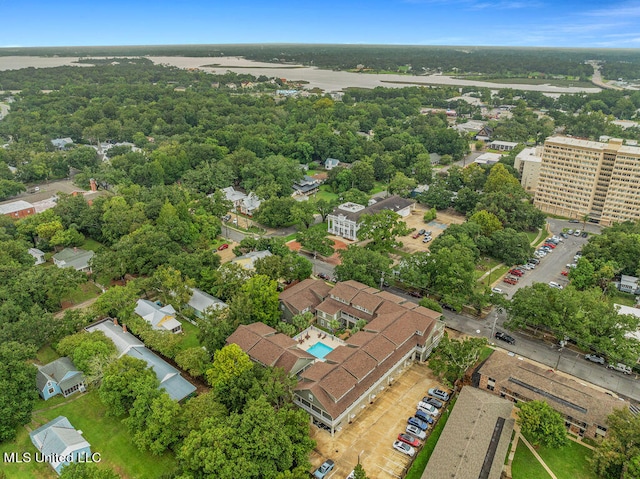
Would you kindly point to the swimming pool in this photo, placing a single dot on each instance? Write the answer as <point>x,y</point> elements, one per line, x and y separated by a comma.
<point>319,350</point>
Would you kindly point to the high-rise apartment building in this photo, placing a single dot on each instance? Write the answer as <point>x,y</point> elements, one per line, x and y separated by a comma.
<point>581,177</point>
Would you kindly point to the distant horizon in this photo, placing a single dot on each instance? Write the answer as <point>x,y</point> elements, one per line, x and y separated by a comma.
<point>492,23</point>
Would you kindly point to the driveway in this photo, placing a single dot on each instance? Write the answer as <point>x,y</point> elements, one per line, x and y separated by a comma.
<point>370,437</point>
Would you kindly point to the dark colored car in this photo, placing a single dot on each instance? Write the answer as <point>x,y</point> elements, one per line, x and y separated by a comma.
<point>423,416</point>
<point>408,439</point>
<point>433,401</point>
<point>415,294</point>
<point>505,337</point>
<point>414,421</point>
<point>584,234</point>
<point>421,232</point>
<point>323,276</point>
<point>574,221</point>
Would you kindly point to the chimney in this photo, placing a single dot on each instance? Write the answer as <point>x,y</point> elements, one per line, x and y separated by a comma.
<point>124,328</point>
<point>93,184</point>
<point>115,321</point>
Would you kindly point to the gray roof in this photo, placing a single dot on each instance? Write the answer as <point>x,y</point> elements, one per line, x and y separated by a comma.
<point>394,203</point>
<point>56,371</point>
<point>155,314</point>
<point>175,385</point>
<point>73,258</point>
<point>170,380</point>
<point>57,436</point>
<point>14,206</point>
<point>61,142</point>
<point>35,251</point>
<point>232,194</point>
<point>467,445</point>
<point>200,301</point>
<point>331,161</point>
<point>248,260</point>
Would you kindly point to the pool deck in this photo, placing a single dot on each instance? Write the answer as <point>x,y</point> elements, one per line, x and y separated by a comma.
<point>310,336</point>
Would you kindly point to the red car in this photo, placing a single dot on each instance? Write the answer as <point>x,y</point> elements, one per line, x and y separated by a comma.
<point>550,245</point>
<point>564,273</point>
<point>415,236</point>
<point>516,272</point>
<point>409,439</point>
<point>223,246</point>
<point>510,280</point>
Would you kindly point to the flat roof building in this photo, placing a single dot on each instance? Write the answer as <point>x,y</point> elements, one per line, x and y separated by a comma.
<point>17,209</point>
<point>527,163</point>
<point>587,178</point>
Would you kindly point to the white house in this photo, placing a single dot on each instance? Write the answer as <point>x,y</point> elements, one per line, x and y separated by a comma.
<point>250,204</point>
<point>628,284</point>
<point>37,255</point>
<point>159,317</point>
<point>331,163</point>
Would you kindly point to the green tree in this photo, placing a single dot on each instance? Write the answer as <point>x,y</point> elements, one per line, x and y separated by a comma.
<point>172,287</point>
<point>489,223</point>
<point>430,215</point>
<point>617,456</point>
<point>193,360</point>
<point>257,301</point>
<point>303,213</point>
<point>363,176</point>
<point>117,301</point>
<point>153,421</point>
<point>87,470</point>
<point>438,196</point>
<point>542,424</point>
<point>229,363</point>
<point>17,391</point>
<point>275,212</point>
<point>315,239</point>
<point>500,180</point>
<point>123,381</point>
<point>87,350</point>
<point>430,304</point>
<point>452,357</point>
<point>364,265</point>
<point>225,282</point>
<point>382,229</point>
<point>302,321</point>
<point>119,219</point>
<point>359,472</point>
<point>324,207</point>
<point>401,185</point>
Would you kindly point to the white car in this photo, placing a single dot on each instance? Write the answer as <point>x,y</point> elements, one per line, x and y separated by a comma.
<point>553,284</point>
<point>404,448</point>
<point>497,290</point>
<point>416,432</point>
<point>428,408</point>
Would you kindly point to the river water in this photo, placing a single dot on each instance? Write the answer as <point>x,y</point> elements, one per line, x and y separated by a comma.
<point>326,80</point>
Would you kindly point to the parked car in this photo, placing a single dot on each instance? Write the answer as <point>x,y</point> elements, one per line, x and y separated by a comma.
<point>415,236</point>
<point>415,294</point>
<point>534,261</point>
<point>505,337</point>
<point>439,394</point>
<point>223,246</point>
<point>324,276</point>
<point>428,408</point>
<point>426,239</point>
<point>419,423</point>
<point>594,358</point>
<point>408,439</point>
<point>577,233</point>
<point>564,273</point>
<point>352,475</point>
<point>510,280</point>
<point>424,416</point>
<point>226,217</point>
<point>553,284</point>
<point>584,234</point>
<point>422,231</point>
<point>574,221</point>
<point>570,232</point>
<point>433,401</point>
<point>516,272</point>
<point>404,448</point>
<point>416,432</point>
<point>532,265</point>
<point>324,469</point>
<point>564,235</point>
<point>497,291</point>
<point>623,368</point>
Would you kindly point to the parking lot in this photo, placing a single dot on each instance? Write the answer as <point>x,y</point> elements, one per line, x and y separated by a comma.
<point>371,435</point>
<point>551,266</point>
<point>437,227</point>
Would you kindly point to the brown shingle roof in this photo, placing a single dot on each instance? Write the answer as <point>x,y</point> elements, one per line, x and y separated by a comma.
<point>265,352</point>
<point>306,294</point>
<point>338,383</point>
<point>244,337</point>
<point>345,291</point>
<point>317,371</point>
<point>340,354</point>
<point>330,306</point>
<point>360,364</point>
<point>368,301</point>
<point>379,348</point>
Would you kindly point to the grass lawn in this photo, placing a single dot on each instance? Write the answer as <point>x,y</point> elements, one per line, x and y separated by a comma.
<point>22,443</point>
<point>625,299</point>
<point>526,466</point>
<point>485,353</point>
<point>190,339</point>
<point>568,462</point>
<point>290,237</point>
<point>83,293</point>
<point>378,187</point>
<point>326,194</point>
<point>46,354</point>
<point>535,237</point>
<point>92,245</point>
<point>107,435</point>
<point>418,466</point>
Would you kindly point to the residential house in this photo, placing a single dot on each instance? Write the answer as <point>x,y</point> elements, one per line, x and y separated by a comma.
<point>200,302</point>
<point>267,347</point>
<point>250,204</point>
<point>344,220</point>
<point>76,258</point>
<point>169,377</point>
<point>435,158</point>
<point>248,260</point>
<point>60,444</point>
<point>303,297</point>
<point>502,145</point>
<point>161,318</point>
<point>485,133</point>
<point>488,159</point>
<point>61,143</point>
<point>59,377</point>
<point>236,197</point>
<point>628,284</point>
<point>37,255</point>
<point>17,209</point>
<point>584,407</point>
<point>475,441</point>
<point>331,163</point>
<point>306,186</point>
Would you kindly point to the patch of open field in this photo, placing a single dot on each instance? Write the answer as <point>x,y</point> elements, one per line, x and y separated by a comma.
<point>415,221</point>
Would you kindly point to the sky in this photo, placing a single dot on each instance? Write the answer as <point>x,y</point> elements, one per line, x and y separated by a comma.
<point>559,23</point>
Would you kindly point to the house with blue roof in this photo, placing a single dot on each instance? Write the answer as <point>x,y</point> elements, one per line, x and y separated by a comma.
<point>161,318</point>
<point>200,302</point>
<point>331,163</point>
<point>177,387</point>
<point>60,444</point>
<point>59,377</point>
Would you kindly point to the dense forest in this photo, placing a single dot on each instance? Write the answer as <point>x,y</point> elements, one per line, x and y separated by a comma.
<point>492,62</point>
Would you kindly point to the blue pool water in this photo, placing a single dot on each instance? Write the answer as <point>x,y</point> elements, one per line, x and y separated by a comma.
<point>319,350</point>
